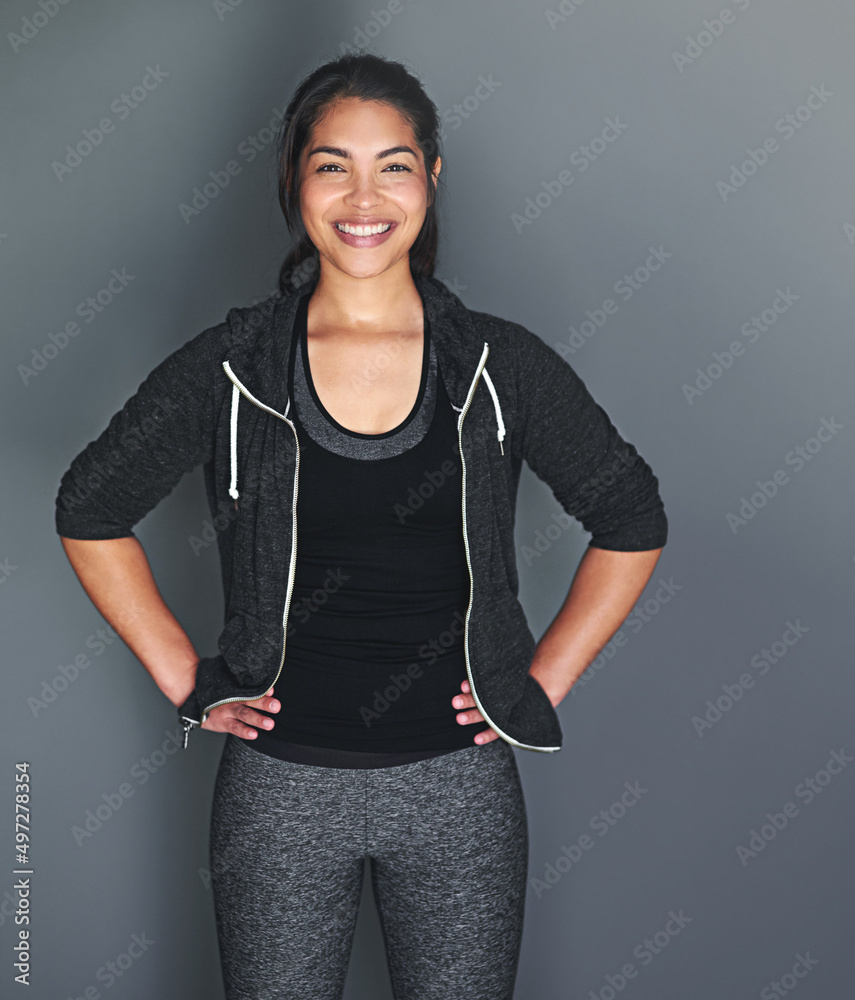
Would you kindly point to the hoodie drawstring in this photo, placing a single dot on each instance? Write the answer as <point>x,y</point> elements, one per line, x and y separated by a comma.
<point>496,407</point>
<point>233,490</point>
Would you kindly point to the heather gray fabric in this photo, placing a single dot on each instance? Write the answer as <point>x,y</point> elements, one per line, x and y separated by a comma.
<point>448,839</point>
<point>318,427</point>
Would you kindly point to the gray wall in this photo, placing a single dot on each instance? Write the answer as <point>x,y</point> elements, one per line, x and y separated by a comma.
<point>741,821</point>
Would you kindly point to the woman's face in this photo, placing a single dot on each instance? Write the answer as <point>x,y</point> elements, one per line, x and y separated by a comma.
<point>361,166</point>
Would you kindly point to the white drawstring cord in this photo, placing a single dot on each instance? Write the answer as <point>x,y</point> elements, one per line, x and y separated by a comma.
<point>233,490</point>
<point>497,407</point>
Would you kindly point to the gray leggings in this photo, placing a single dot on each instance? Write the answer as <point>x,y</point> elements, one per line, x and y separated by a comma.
<point>448,838</point>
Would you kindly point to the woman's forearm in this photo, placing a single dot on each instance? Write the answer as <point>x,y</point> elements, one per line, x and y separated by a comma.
<point>116,575</point>
<point>604,590</point>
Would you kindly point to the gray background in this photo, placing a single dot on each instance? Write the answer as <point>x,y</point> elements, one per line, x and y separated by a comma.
<point>790,226</point>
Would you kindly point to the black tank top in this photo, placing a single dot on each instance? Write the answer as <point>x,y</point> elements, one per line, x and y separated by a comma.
<point>374,647</point>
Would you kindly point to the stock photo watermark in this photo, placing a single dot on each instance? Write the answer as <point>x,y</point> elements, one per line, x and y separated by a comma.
<point>761,662</point>
<point>787,126</point>
<point>625,287</point>
<point>88,309</point>
<point>333,581</point>
<point>121,106</point>
<point>67,673</point>
<point>778,988</point>
<point>432,481</point>
<point>43,13</point>
<point>564,10</point>
<point>796,458</point>
<point>111,802</point>
<point>112,971</point>
<point>248,151</point>
<point>227,513</point>
<point>751,330</point>
<point>461,110</point>
<point>807,791</point>
<point>601,823</point>
<point>116,461</point>
<point>402,682</point>
<point>645,951</point>
<point>635,621</point>
<point>711,29</point>
<point>581,158</point>
<point>6,569</point>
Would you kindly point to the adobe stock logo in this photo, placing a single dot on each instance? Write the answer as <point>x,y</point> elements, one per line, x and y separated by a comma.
<point>751,330</point>
<point>760,662</point>
<point>582,158</point>
<point>32,25</point>
<point>787,126</point>
<point>625,287</point>
<point>712,29</point>
<point>808,791</point>
<point>796,458</point>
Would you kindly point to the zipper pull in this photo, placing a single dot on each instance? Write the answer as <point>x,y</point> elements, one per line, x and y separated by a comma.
<point>187,725</point>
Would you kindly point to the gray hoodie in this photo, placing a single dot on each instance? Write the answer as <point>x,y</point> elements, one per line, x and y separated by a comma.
<point>221,399</point>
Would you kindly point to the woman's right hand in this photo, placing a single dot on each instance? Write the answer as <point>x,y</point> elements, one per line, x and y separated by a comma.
<point>240,717</point>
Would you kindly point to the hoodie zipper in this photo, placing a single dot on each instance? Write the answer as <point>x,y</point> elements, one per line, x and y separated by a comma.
<point>291,569</point>
<point>479,706</point>
<point>189,723</point>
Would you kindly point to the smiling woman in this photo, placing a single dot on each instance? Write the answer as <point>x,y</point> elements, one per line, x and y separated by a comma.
<point>375,669</point>
<point>391,174</point>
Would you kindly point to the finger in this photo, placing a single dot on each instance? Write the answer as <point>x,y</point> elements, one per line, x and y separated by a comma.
<point>252,718</point>
<point>466,718</point>
<point>244,715</point>
<point>266,702</point>
<point>463,701</point>
<point>486,736</point>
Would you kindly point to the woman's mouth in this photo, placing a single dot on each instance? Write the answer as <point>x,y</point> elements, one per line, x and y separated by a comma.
<point>357,235</point>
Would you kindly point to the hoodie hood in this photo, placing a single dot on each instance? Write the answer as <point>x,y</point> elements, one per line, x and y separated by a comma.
<point>266,385</point>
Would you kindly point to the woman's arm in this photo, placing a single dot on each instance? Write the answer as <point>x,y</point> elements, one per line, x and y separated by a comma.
<point>604,590</point>
<point>116,575</point>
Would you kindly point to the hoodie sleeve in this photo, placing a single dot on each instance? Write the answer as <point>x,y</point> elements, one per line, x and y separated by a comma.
<point>570,443</point>
<point>163,431</point>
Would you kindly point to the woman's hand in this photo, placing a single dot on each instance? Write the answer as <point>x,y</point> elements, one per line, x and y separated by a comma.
<point>239,717</point>
<point>466,701</point>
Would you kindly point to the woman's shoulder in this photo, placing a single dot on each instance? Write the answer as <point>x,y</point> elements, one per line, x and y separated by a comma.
<point>244,324</point>
<point>498,331</point>
<point>514,347</point>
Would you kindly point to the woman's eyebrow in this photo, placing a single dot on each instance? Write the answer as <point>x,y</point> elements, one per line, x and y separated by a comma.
<point>345,155</point>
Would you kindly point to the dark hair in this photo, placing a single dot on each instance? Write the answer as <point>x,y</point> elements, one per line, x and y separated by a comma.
<point>369,78</point>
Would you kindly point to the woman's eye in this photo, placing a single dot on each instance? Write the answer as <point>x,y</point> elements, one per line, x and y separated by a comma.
<point>337,168</point>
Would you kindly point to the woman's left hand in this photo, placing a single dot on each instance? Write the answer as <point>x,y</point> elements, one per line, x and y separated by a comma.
<point>472,714</point>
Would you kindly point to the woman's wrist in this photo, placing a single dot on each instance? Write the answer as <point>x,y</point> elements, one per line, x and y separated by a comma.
<point>550,682</point>
<point>178,683</point>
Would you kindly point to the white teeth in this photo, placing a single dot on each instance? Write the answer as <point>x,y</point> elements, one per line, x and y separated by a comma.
<point>363,230</point>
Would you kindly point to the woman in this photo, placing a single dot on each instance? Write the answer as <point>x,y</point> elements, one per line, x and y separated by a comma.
<point>375,668</point>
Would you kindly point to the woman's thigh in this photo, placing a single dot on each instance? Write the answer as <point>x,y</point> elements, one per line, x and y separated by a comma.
<point>286,858</point>
<point>448,839</point>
